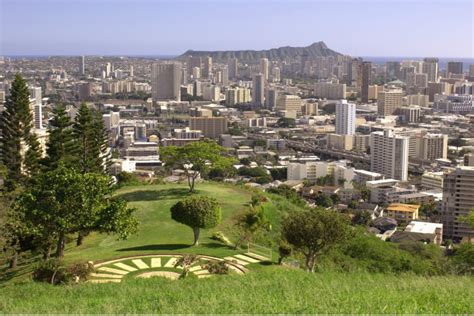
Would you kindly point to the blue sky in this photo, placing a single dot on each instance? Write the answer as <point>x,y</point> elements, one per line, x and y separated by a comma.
<point>168,27</point>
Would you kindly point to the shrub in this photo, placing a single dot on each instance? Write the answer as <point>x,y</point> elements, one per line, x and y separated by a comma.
<point>51,271</point>
<point>80,271</point>
<point>216,267</point>
<point>464,259</point>
<point>219,236</point>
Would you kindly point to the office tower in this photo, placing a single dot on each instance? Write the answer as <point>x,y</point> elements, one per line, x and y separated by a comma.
<point>196,73</point>
<point>191,62</point>
<point>233,68</point>
<point>264,68</point>
<point>471,70</point>
<point>366,80</point>
<point>36,106</point>
<point>389,154</point>
<point>84,91</point>
<point>388,102</point>
<point>108,69</point>
<point>405,71</point>
<point>432,147</point>
<point>392,70</point>
<point>454,67</point>
<point>258,89</point>
<point>207,67</point>
<point>211,127</point>
<point>130,73</point>
<point>431,67</point>
<point>197,88</point>
<point>458,201</point>
<point>225,76</point>
<point>237,96</point>
<point>83,65</point>
<point>288,102</point>
<point>271,97</point>
<point>166,81</point>
<point>354,75</point>
<point>345,118</point>
<point>276,74</point>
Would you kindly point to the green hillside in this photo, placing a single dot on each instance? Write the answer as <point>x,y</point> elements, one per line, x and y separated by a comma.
<point>269,290</point>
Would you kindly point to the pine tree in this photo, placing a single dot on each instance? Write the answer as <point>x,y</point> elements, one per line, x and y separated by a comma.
<point>83,138</point>
<point>17,128</point>
<point>101,144</point>
<point>33,157</point>
<point>60,146</point>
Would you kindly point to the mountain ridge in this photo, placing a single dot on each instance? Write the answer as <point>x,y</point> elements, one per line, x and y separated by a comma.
<point>317,49</point>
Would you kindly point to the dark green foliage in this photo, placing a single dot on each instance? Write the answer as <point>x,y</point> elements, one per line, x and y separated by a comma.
<point>361,218</point>
<point>335,198</point>
<point>127,178</point>
<point>315,232</point>
<point>286,122</point>
<point>353,204</point>
<point>17,133</point>
<point>284,250</point>
<point>326,180</point>
<point>258,174</point>
<point>429,209</point>
<point>91,141</point>
<point>251,223</point>
<point>60,146</point>
<point>64,201</point>
<point>464,259</point>
<point>32,157</point>
<point>279,173</point>
<point>197,212</point>
<point>323,200</point>
<point>245,161</point>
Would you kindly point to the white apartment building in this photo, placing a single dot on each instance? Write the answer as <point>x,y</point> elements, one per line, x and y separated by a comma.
<point>389,154</point>
<point>345,118</point>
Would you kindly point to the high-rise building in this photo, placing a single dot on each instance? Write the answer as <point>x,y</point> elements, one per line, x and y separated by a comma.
<point>264,68</point>
<point>196,73</point>
<point>130,73</point>
<point>211,127</point>
<point>430,67</point>
<point>166,81</point>
<point>392,70</point>
<point>83,65</point>
<point>354,72</point>
<point>471,70</point>
<point>329,90</point>
<point>388,102</point>
<point>276,77</point>
<point>345,118</point>
<point>366,80</point>
<point>225,76</point>
<point>233,68</point>
<point>454,67</point>
<point>389,154</point>
<point>108,69</point>
<point>237,96</point>
<point>207,69</point>
<point>458,201</point>
<point>271,97</point>
<point>258,89</point>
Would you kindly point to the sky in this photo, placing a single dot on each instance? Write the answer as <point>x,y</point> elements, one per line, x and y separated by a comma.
<point>414,28</point>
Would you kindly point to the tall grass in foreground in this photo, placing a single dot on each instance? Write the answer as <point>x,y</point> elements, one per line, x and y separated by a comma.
<point>270,290</point>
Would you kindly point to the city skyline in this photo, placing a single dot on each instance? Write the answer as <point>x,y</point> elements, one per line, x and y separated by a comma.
<point>357,28</point>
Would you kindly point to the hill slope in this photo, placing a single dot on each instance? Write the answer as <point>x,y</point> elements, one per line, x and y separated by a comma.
<point>317,49</point>
<point>269,290</point>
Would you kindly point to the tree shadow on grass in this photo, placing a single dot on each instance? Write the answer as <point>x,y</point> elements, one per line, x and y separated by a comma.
<point>154,195</point>
<point>156,247</point>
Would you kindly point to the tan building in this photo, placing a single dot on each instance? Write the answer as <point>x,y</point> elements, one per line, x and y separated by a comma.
<point>388,102</point>
<point>329,90</point>
<point>403,213</point>
<point>211,127</point>
<point>289,103</point>
<point>458,201</point>
<point>428,147</point>
<point>361,143</point>
<point>341,142</point>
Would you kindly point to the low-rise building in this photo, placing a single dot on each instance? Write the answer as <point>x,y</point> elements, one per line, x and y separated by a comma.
<point>402,213</point>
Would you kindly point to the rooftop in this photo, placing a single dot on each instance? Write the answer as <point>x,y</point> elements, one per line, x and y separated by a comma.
<point>399,207</point>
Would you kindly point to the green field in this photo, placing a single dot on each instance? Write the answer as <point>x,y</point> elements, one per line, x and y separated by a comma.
<point>270,290</point>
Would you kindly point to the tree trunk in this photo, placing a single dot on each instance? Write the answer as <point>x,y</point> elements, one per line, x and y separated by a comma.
<point>60,247</point>
<point>310,261</point>
<point>13,261</point>
<point>196,235</point>
<point>80,237</point>
<point>280,260</point>
<point>47,252</point>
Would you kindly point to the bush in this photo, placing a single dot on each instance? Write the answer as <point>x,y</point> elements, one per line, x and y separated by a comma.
<point>464,259</point>
<point>54,272</point>
<point>127,178</point>
<point>216,267</point>
<point>51,271</point>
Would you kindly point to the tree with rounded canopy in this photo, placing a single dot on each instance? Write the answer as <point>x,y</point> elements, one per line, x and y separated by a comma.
<point>195,158</point>
<point>197,212</point>
<point>314,232</point>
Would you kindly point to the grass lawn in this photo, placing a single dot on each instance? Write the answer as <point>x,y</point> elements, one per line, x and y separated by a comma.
<point>158,233</point>
<point>269,290</point>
